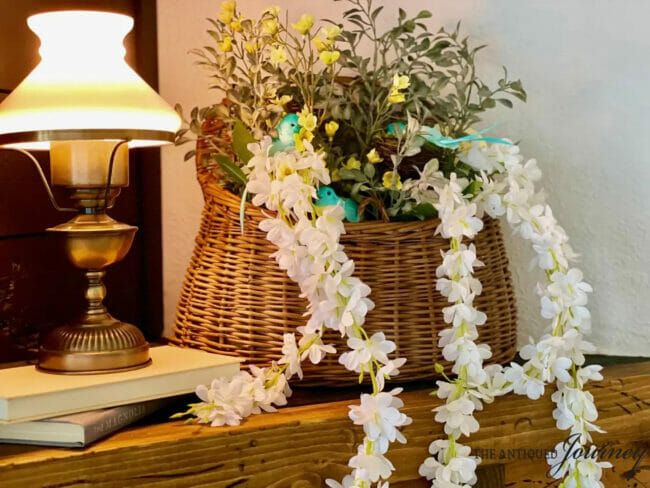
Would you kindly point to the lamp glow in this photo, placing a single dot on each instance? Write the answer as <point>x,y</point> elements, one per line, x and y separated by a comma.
<point>83,88</point>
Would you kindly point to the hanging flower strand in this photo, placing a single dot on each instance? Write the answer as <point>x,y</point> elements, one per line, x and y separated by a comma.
<point>559,354</point>
<point>309,251</point>
<point>451,463</point>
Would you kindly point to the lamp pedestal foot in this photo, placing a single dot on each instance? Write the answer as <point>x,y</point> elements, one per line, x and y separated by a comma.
<point>97,342</point>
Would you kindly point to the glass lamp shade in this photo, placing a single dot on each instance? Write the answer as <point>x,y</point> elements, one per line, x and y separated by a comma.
<point>83,89</point>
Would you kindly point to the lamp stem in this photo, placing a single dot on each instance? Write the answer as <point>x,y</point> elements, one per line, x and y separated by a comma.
<point>43,178</point>
<point>96,292</point>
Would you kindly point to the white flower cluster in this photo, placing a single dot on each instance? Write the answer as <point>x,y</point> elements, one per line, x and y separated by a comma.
<point>308,248</point>
<point>451,464</point>
<point>227,402</point>
<point>308,245</point>
<point>310,252</point>
<point>579,468</point>
<point>559,355</point>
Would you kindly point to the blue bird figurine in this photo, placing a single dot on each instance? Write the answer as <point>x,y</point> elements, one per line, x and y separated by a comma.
<point>327,197</point>
<point>433,136</point>
<point>287,127</point>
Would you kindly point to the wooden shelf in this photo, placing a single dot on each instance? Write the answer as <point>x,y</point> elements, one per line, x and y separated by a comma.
<point>299,447</point>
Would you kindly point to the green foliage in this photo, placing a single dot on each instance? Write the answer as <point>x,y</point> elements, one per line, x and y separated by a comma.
<point>231,169</point>
<point>263,68</point>
<point>241,138</point>
<point>441,66</point>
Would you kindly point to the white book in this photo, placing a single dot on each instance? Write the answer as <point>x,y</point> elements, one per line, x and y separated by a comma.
<point>29,394</point>
<point>78,429</point>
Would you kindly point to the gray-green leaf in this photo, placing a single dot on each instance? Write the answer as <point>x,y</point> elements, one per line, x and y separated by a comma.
<point>241,138</point>
<point>231,169</point>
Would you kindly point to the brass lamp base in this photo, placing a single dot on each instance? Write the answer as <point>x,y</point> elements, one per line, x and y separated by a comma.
<point>96,343</point>
<point>98,348</point>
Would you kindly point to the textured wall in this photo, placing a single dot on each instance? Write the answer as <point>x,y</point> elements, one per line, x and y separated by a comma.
<point>585,66</point>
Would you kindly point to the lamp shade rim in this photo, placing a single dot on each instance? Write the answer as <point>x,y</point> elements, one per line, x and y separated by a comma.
<point>38,139</point>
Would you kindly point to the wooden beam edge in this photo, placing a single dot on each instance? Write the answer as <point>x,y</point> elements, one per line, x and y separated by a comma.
<point>512,422</point>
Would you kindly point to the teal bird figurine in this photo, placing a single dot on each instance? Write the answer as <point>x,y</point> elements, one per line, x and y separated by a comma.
<point>327,197</point>
<point>287,127</point>
<point>433,136</point>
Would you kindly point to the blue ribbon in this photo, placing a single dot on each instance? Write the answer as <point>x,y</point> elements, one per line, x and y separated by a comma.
<point>433,135</point>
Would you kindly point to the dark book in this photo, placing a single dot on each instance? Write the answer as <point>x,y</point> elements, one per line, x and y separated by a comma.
<point>79,429</point>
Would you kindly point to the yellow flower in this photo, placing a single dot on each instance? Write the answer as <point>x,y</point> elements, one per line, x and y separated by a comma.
<point>374,157</point>
<point>300,146</point>
<point>273,11</point>
<point>227,11</point>
<point>330,57</point>
<point>331,32</point>
<point>331,127</point>
<point>306,135</point>
<point>387,180</point>
<point>278,55</point>
<point>226,44</point>
<point>281,101</point>
<point>252,47</point>
<point>236,24</point>
<point>284,170</point>
<point>304,24</point>
<point>396,97</point>
<point>306,119</point>
<point>321,45</point>
<point>335,176</point>
<point>270,26</point>
<point>352,163</point>
<point>401,82</point>
<point>301,137</point>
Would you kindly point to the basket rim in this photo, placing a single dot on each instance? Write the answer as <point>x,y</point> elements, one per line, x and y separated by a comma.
<point>234,201</point>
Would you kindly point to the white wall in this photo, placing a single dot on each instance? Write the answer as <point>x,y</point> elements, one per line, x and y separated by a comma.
<point>585,66</point>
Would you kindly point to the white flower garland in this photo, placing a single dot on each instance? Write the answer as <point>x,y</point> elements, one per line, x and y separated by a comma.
<point>451,464</point>
<point>508,188</point>
<point>559,354</point>
<point>310,252</point>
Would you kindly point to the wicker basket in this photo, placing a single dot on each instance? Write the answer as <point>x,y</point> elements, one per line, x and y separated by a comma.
<point>236,301</point>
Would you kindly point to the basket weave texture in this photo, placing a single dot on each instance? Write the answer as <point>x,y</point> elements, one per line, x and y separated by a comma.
<point>236,300</point>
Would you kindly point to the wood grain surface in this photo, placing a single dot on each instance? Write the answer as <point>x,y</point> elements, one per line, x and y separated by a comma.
<point>300,447</point>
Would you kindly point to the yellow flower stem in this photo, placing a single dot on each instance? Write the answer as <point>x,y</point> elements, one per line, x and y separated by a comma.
<point>560,320</point>
<point>371,372</point>
<point>361,333</point>
<point>451,451</point>
<point>325,114</point>
<point>574,373</point>
<point>461,379</point>
<point>455,245</point>
<point>303,64</point>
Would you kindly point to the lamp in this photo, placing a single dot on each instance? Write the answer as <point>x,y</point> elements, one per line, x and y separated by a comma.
<point>86,106</point>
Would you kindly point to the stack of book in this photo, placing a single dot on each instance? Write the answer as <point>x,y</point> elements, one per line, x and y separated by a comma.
<point>74,411</point>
